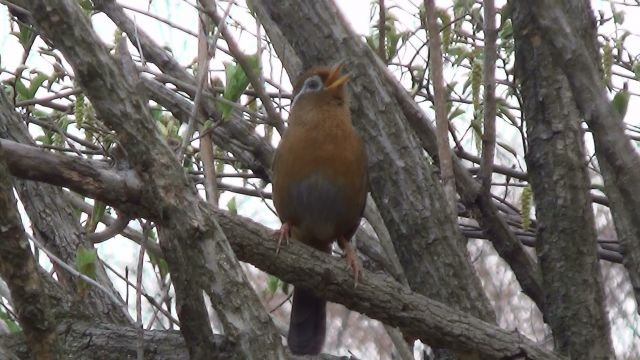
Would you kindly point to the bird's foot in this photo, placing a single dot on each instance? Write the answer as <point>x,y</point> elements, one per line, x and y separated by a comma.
<point>285,233</point>
<point>352,261</point>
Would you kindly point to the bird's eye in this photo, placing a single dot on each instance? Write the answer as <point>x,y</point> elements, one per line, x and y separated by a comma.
<point>313,83</point>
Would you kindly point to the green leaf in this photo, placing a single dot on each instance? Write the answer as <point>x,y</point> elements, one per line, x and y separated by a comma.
<point>63,123</point>
<point>36,82</point>
<point>86,260</point>
<point>372,41</point>
<point>236,82</point>
<point>457,51</point>
<point>11,324</point>
<point>618,17</point>
<point>163,129</point>
<point>232,207</point>
<point>22,91</point>
<point>620,101</point>
<point>506,32</point>
<point>96,215</point>
<point>455,113</point>
<point>24,34</point>
<point>636,70</point>
<point>86,5</point>
<point>272,284</point>
<point>159,262</point>
<point>156,113</point>
<point>285,287</point>
<point>47,138</point>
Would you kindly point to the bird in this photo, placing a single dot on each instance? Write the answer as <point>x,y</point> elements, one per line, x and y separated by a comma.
<point>319,188</point>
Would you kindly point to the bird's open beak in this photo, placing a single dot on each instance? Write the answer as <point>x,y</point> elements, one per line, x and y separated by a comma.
<point>334,80</point>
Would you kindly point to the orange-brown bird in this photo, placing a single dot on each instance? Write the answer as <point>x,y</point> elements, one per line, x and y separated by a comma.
<point>319,187</point>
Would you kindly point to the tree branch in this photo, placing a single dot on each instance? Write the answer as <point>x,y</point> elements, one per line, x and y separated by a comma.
<point>377,296</point>
<point>198,260</point>
<point>302,267</point>
<point>18,268</point>
<point>573,47</point>
<point>566,244</point>
<point>489,101</point>
<point>442,121</point>
<point>82,175</point>
<point>51,221</point>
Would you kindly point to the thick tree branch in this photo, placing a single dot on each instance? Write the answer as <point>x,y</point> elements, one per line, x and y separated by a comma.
<point>377,296</point>
<point>19,269</point>
<point>198,260</point>
<point>90,341</point>
<point>303,267</point>
<point>84,176</point>
<point>568,28</point>
<point>566,241</point>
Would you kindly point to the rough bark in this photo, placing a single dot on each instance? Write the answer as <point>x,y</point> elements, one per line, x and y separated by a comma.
<point>199,256</point>
<point>21,272</point>
<point>377,295</point>
<point>90,341</point>
<point>566,241</point>
<point>568,28</point>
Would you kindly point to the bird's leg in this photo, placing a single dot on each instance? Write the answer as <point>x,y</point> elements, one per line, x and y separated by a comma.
<point>285,233</point>
<point>350,257</point>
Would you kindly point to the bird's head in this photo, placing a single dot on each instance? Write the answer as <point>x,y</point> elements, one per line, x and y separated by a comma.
<point>321,83</point>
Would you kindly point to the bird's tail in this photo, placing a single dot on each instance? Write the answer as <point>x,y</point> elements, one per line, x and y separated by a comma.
<point>307,327</point>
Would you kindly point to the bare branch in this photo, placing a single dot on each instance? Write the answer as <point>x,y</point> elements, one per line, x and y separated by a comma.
<point>19,269</point>
<point>489,83</point>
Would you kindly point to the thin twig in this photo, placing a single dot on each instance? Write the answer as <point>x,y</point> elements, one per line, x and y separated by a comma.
<point>202,80</point>
<point>76,273</point>
<point>149,298</point>
<point>161,19</point>
<point>206,141</point>
<point>139,326</point>
<point>54,96</point>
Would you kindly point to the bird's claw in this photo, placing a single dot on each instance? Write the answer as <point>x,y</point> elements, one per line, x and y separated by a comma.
<point>352,262</point>
<point>285,233</point>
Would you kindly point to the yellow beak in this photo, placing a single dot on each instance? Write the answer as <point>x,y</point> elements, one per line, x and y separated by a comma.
<point>334,80</point>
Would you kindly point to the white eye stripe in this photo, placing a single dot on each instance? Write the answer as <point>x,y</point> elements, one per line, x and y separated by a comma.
<point>311,84</point>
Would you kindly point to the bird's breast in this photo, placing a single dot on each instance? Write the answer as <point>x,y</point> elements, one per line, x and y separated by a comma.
<point>319,183</point>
